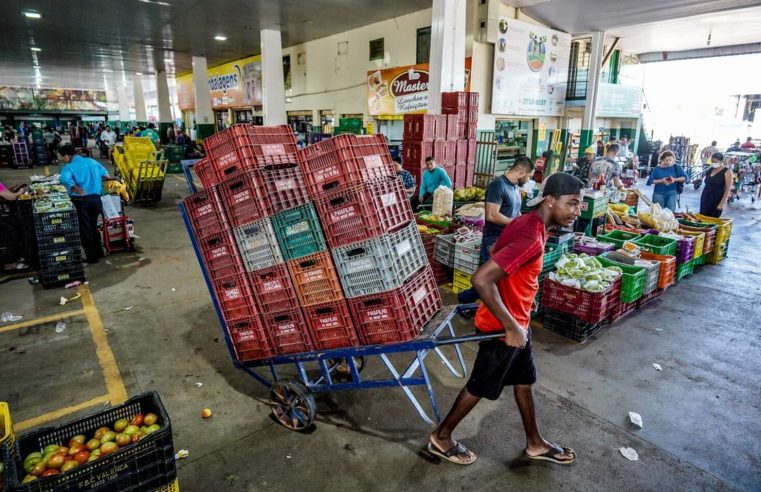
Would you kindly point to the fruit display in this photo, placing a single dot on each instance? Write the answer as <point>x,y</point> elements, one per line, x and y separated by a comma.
<point>424,229</point>
<point>658,218</point>
<point>469,194</point>
<point>56,458</point>
<point>584,272</point>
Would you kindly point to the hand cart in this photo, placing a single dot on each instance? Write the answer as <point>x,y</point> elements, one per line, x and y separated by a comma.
<point>292,401</point>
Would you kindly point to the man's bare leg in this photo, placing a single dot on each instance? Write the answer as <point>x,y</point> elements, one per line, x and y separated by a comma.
<point>441,438</point>
<point>535,444</point>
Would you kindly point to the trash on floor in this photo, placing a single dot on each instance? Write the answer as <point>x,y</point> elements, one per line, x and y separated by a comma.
<point>206,413</point>
<point>635,419</point>
<point>198,385</point>
<point>76,283</point>
<point>657,366</point>
<point>127,308</point>
<point>60,327</point>
<point>629,453</point>
<point>9,317</point>
<point>65,301</point>
<point>181,454</point>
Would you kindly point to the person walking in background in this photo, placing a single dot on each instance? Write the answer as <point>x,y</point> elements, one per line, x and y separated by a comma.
<point>607,169</point>
<point>407,178</point>
<point>600,148</point>
<point>151,133</point>
<point>735,147</point>
<point>433,177</point>
<point>748,144</point>
<point>718,185</point>
<point>665,177</point>
<point>83,178</point>
<point>707,153</point>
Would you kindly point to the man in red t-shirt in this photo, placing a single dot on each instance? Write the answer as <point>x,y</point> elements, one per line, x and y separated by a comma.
<point>507,284</point>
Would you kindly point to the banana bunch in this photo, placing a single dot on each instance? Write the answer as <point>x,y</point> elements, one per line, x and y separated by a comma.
<point>619,208</point>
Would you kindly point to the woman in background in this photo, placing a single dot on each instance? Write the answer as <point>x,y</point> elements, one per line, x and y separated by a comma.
<point>665,177</point>
<point>718,186</point>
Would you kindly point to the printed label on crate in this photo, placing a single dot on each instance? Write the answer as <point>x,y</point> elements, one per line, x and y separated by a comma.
<point>93,481</point>
<point>329,322</point>
<point>419,295</point>
<point>63,276</point>
<point>273,149</point>
<point>314,275</point>
<point>403,247</point>
<point>245,335</point>
<point>373,161</point>
<point>60,258</point>
<point>242,196</point>
<point>273,285</point>
<point>297,228</point>
<point>377,314</point>
<point>388,199</point>
<point>233,293</point>
<point>56,221</point>
<point>361,265</point>
<point>206,209</point>
<point>227,159</point>
<point>286,328</point>
<point>219,252</point>
<point>343,213</point>
<point>327,173</point>
<point>58,240</point>
<point>285,184</point>
<point>255,242</point>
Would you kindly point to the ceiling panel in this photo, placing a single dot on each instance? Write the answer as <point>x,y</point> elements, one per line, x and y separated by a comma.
<point>81,44</point>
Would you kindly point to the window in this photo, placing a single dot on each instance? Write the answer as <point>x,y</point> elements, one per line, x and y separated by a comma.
<point>377,51</point>
<point>287,72</point>
<point>578,70</point>
<point>423,45</point>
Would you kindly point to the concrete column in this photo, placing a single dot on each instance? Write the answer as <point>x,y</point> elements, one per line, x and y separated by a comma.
<point>593,84</point>
<point>162,93</point>
<point>140,113</point>
<point>121,94</point>
<point>204,116</point>
<point>273,85</point>
<point>447,58</point>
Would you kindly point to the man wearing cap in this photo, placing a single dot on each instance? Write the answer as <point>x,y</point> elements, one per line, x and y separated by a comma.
<point>83,178</point>
<point>584,164</point>
<point>507,284</point>
<point>608,169</point>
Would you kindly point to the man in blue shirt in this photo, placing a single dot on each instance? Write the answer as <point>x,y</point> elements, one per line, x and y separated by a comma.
<point>433,177</point>
<point>83,178</point>
<point>407,178</point>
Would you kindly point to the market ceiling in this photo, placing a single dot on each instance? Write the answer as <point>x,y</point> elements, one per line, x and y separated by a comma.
<point>84,43</point>
<point>654,25</point>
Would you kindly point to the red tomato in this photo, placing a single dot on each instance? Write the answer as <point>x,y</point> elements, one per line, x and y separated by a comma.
<point>52,471</point>
<point>137,420</point>
<point>82,457</point>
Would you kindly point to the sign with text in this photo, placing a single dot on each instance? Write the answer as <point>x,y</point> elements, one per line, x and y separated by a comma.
<point>236,84</point>
<point>27,98</point>
<point>402,90</point>
<point>530,70</point>
<point>615,100</point>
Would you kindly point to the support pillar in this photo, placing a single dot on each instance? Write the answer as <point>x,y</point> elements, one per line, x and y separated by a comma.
<point>273,83</point>
<point>165,106</point>
<point>204,116</point>
<point>593,84</point>
<point>140,114</point>
<point>447,58</point>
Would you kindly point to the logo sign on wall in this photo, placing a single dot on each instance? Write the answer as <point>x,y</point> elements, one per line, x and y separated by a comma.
<point>231,85</point>
<point>530,70</point>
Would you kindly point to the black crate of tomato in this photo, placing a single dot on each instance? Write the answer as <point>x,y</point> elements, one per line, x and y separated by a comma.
<point>147,464</point>
<point>568,326</point>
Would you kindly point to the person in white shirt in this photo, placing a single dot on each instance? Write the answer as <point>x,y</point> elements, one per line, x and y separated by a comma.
<point>109,140</point>
<point>623,148</point>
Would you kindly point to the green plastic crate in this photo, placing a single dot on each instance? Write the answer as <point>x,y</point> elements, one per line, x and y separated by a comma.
<point>174,153</point>
<point>658,245</point>
<point>633,279</point>
<point>699,261</point>
<point>298,232</point>
<point>591,208</point>
<point>174,168</point>
<point>552,253</point>
<point>685,270</point>
<point>618,237</point>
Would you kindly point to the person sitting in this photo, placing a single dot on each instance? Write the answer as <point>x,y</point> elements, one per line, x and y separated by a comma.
<point>748,144</point>
<point>735,147</point>
<point>584,164</point>
<point>433,177</point>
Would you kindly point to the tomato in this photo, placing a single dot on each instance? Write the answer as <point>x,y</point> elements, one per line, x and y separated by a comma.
<point>150,419</point>
<point>93,444</point>
<point>137,420</point>
<point>29,478</point>
<point>109,436</point>
<point>101,430</point>
<point>131,430</point>
<point>123,439</point>
<point>64,450</point>
<point>78,439</point>
<point>52,471</point>
<point>69,465</point>
<point>55,461</point>
<point>153,428</point>
<point>76,448</point>
<point>50,448</point>
<point>120,425</point>
<point>108,448</point>
<point>38,469</point>
<point>30,461</point>
<point>137,436</point>
<point>82,457</point>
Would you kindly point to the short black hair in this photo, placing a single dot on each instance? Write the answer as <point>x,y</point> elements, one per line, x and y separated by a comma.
<point>613,148</point>
<point>67,149</point>
<point>428,159</point>
<point>611,139</point>
<point>718,156</point>
<point>151,125</point>
<point>523,162</point>
<point>713,143</point>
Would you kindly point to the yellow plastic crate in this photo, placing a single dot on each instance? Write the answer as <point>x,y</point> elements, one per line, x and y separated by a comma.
<point>700,238</point>
<point>724,227</point>
<point>136,143</point>
<point>172,487</point>
<point>6,424</point>
<point>461,281</point>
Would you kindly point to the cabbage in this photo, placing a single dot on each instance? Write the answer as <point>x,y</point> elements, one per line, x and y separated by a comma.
<point>585,272</point>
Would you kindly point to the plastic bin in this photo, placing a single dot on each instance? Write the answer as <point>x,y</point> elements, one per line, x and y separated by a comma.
<point>633,279</point>
<point>444,250</point>
<point>397,315</point>
<point>617,238</point>
<point>592,208</point>
<point>420,127</point>
<point>461,281</point>
<point>380,264</point>
<point>273,289</point>
<point>699,241</point>
<point>147,464</point>
<point>568,326</point>
<point>245,199</point>
<point>658,244</point>
<point>592,307</point>
<point>235,296</point>
<point>250,339</point>
<point>315,279</point>
<point>667,275</point>
<point>467,256</point>
<point>206,212</point>
<point>331,326</point>
<point>258,245</point>
<point>6,424</point>
<point>652,268</point>
<point>621,310</point>
<point>283,186</point>
<point>288,332</point>
<point>220,254</point>
<point>724,227</point>
<point>55,222</point>
<point>685,270</point>
<point>298,232</point>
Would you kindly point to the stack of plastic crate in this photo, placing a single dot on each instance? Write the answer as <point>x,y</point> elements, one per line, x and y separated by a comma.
<point>461,109</point>
<point>142,168</point>
<point>6,155</point>
<point>39,153</point>
<point>58,246</point>
<point>21,158</point>
<point>417,144</point>
<point>374,241</point>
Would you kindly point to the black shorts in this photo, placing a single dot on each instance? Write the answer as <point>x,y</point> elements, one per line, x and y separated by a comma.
<point>498,365</point>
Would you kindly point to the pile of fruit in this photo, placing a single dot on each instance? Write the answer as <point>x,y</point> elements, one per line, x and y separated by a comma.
<point>424,229</point>
<point>55,459</point>
<point>469,194</point>
<point>658,218</point>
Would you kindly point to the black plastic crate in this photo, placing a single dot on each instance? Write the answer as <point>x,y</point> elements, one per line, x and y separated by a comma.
<point>60,258</point>
<point>568,326</point>
<point>145,465</point>
<point>61,221</point>
<point>54,274</point>
<point>54,241</point>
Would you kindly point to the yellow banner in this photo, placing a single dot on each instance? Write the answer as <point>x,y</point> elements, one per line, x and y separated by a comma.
<point>402,90</point>
<point>236,84</point>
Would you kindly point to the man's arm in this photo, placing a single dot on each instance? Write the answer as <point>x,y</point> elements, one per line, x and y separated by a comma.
<point>493,215</point>
<point>445,180</point>
<point>67,178</point>
<point>485,282</point>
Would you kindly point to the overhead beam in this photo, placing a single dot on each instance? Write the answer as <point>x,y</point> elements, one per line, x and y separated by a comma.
<point>660,56</point>
<point>610,51</point>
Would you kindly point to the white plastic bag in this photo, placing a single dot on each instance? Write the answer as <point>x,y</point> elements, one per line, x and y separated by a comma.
<point>443,200</point>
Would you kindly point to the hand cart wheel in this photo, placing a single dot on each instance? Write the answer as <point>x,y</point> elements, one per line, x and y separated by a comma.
<point>292,404</point>
<point>343,370</point>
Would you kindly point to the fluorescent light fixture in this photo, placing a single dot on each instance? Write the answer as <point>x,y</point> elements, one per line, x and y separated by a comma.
<point>138,73</point>
<point>163,4</point>
<point>32,15</point>
<point>34,48</point>
<point>220,37</point>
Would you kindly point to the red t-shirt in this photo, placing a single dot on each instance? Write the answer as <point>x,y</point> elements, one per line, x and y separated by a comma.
<point>519,252</point>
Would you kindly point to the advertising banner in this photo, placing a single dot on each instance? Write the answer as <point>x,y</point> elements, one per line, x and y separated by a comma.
<point>615,100</point>
<point>17,98</point>
<point>26,98</point>
<point>402,90</point>
<point>236,84</point>
<point>530,70</point>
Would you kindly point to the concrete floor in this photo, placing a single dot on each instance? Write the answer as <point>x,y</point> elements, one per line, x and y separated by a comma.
<point>701,413</point>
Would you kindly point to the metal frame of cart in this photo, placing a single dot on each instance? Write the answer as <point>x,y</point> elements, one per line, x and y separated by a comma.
<point>292,401</point>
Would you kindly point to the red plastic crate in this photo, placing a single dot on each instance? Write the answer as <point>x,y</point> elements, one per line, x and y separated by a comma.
<point>473,99</point>
<point>343,160</point>
<point>288,331</point>
<point>466,130</point>
<point>250,339</point>
<point>461,154</point>
<point>648,298</point>
<point>472,149</point>
<point>454,99</point>
<point>244,146</point>
<point>220,254</point>
<point>421,127</point>
<point>235,297</point>
<point>452,120</point>
<point>206,212</point>
<point>592,307</point>
<point>205,172</point>
<point>331,326</point>
<point>284,185</point>
<point>472,116</point>
<point>622,309</point>
<point>273,289</point>
<point>245,198</point>
<point>397,315</point>
<point>315,279</point>
<point>414,153</point>
<point>441,273</point>
<point>363,210</point>
<point>460,176</point>
<point>470,170</point>
<point>440,131</point>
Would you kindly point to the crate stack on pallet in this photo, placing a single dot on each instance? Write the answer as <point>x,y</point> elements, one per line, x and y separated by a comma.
<point>39,154</point>
<point>21,158</point>
<point>373,237</point>
<point>463,106</point>
<point>58,245</point>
